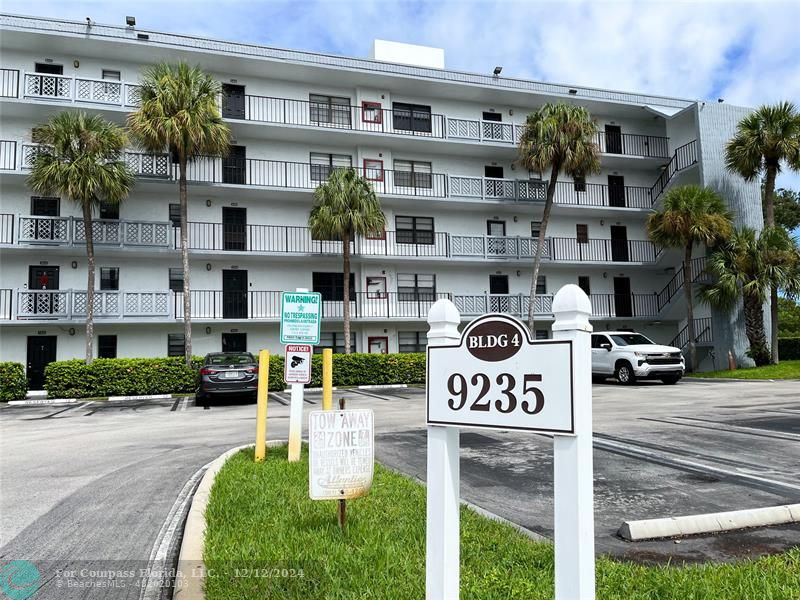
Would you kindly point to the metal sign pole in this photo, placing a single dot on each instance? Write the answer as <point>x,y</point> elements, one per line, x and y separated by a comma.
<point>296,415</point>
<point>442,554</point>
<point>572,460</point>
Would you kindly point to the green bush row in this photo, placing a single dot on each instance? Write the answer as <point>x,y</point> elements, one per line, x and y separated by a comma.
<point>358,369</point>
<point>135,376</point>
<point>13,383</point>
<point>789,348</point>
<point>119,377</point>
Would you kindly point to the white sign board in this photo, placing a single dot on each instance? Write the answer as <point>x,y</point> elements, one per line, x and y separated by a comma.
<point>297,363</point>
<point>341,453</point>
<point>497,378</point>
<point>301,315</point>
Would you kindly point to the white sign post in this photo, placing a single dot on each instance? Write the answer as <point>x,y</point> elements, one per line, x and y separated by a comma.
<point>301,315</point>
<point>494,376</point>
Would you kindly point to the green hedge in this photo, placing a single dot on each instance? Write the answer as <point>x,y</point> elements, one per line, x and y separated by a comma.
<point>119,377</point>
<point>13,383</point>
<point>789,348</point>
<point>358,369</point>
<point>135,376</point>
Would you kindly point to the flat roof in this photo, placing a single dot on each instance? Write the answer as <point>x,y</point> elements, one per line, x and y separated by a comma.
<point>188,42</point>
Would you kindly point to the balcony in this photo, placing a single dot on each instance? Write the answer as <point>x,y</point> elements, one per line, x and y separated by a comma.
<point>71,304</point>
<point>306,113</point>
<point>297,240</point>
<point>266,305</point>
<point>603,305</point>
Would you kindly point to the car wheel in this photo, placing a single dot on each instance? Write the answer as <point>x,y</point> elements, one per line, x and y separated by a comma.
<point>672,380</point>
<point>625,374</point>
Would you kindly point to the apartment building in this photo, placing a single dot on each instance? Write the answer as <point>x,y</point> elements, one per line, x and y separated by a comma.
<point>439,147</point>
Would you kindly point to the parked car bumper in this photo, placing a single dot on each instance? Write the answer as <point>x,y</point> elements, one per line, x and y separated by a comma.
<point>648,371</point>
<point>233,387</point>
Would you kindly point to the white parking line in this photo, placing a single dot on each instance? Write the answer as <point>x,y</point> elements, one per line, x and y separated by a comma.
<point>185,403</point>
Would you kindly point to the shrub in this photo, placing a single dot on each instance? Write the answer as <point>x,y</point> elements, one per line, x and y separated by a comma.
<point>789,348</point>
<point>133,376</point>
<point>13,383</point>
<point>119,377</point>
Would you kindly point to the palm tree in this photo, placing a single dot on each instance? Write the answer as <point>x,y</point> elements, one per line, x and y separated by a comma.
<point>764,140</point>
<point>79,158</point>
<point>749,266</point>
<point>345,206</point>
<point>557,138</point>
<point>179,113</point>
<point>691,215</point>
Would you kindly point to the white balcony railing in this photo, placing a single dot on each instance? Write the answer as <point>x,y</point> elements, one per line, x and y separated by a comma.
<point>513,304</point>
<point>483,131</point>
<point>489,246</point>
<point>59,304</point>
<point>107,232</point>
<point>45,86</point>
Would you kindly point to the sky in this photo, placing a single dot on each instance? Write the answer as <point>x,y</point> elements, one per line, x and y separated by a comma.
<point>747,53</point>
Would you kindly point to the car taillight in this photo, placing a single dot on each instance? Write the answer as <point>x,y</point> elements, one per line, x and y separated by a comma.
<point>252,370</point>
<point>207,371</point>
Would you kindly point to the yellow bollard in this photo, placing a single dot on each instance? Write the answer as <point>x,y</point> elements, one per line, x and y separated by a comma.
<point>327,379</point>
<point>261,411</point>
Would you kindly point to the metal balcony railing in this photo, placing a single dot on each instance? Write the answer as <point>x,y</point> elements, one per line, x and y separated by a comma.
<point>6,302</point>
<point>6,228</point>
<point>512,304</point>
<point>684,157</point>
<point>702,331</point>
<point>266,305</point>
<point>309,113</point>
<point>624,305</point>
<point>630,144</point>
<point>107,232</point>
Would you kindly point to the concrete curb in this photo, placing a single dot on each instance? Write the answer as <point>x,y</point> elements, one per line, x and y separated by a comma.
<point>385,386</point>
<point>43,402</point>
<point>190,559</point>
<point>669,527</point>
<point>732,380</point>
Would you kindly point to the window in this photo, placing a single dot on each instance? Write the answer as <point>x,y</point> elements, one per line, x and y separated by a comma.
<point>597,340</point>
<point>331,286</point>
<point>335,340</point>
<point>106,346</point>
<point>582,233</point>
<point>175,214</point>
<point>541,285</point>
<point>111,75</point>
<point>323,164</point>
<point>414,230</point>
<point>411,117</point>
<point>583,283</point>
<point>542,334</point>
<point>536,227</point>
<point>416,287</point>
<point>376,288</point>
<point>176,280</point>
<point>109,278</point>
<point>176,344</point>
<point>43,206</point>
<point>579,182</point>
<point>413,173</point>
<point>412,341</point>
<point>371,112</point>
<point>109,210</point>
<point>373,169</point>
<point>492,116</point>
<point>331,111</point>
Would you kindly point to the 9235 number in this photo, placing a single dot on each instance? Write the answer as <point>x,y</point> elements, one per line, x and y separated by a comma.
<point>457,386</point>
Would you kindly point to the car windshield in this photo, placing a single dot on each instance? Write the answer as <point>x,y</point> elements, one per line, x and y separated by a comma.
<point>229,360</point>
<point>630,339</point>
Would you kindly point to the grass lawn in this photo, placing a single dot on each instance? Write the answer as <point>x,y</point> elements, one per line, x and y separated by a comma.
<point>787,369</point>
<point>260,517</point>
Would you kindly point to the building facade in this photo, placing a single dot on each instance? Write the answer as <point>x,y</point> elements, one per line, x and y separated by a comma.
<point>439,147</point>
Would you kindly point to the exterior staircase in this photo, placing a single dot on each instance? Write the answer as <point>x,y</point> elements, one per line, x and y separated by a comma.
<point>684,157</point>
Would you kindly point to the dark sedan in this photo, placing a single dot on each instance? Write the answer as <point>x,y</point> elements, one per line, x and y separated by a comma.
<point>228,374</point>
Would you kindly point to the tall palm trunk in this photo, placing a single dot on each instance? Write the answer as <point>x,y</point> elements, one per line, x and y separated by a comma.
<point>687,285</point>
<point>90,273</point>
<point>754,328</point>
<point>187,297</point>
<point>537,259</point>
<point>346,288</point>
<point>769,201</point>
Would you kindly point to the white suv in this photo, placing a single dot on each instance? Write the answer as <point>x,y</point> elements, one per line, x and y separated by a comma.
<point>629,356</point>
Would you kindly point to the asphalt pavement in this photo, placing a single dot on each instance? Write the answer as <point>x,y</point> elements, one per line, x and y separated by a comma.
<point>95,485</point>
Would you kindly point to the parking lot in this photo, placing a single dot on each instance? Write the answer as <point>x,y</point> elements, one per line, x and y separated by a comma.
<point>75,476</point>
